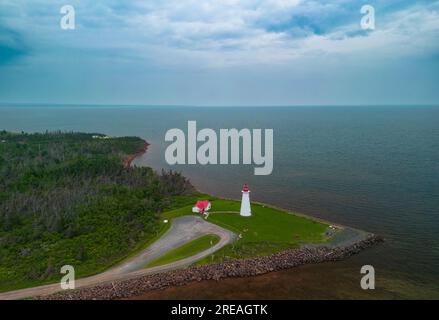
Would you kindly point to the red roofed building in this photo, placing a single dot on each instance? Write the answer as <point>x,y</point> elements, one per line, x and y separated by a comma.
<point>201,206</point>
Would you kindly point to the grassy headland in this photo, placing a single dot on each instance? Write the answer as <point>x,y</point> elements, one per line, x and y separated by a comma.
<point>70,198</point>
<point>267,231</point>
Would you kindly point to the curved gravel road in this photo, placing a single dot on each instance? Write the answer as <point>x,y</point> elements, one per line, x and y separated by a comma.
<point>184,229</point>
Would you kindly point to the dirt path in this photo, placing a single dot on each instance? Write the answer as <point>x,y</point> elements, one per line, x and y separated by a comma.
<point>184,229</point>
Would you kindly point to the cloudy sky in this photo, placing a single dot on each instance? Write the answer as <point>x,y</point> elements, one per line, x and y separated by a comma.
<point>222,52</point>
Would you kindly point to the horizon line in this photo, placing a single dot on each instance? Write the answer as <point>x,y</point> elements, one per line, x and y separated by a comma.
<point>38,104</point>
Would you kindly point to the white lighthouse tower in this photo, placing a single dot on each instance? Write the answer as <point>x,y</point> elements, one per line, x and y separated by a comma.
<point>245,202</point>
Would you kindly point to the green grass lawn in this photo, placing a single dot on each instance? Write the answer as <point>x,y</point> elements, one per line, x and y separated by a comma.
<point>187,250</point>
<point>267,231</point>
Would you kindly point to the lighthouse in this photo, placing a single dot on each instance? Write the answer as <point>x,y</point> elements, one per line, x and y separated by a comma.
<point>245,202</point>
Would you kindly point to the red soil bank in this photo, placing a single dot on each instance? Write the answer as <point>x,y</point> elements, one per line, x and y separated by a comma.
<point>127,162</point>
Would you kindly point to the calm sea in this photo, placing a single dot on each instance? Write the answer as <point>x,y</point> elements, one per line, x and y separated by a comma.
<point>375,168</point>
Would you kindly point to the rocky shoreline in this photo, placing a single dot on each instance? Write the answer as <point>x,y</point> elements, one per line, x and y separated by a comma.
<point>237,268</point>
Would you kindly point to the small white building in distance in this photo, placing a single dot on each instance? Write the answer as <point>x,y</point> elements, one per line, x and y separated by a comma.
<point>246,210</point>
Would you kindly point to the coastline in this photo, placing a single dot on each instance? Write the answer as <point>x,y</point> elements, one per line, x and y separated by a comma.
<point>384,204</point>
<point>233,269</point>
<point>351,241</point>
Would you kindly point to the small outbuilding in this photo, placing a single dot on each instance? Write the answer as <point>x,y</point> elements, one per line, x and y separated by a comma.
<point>202,207</point>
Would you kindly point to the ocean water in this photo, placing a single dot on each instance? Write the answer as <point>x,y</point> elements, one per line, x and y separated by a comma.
<point>374,168</point>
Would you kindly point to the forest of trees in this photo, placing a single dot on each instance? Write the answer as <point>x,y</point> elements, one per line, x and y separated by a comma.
<point>66,198</point>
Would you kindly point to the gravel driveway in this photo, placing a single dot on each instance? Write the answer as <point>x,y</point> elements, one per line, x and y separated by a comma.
<point>184,229</point>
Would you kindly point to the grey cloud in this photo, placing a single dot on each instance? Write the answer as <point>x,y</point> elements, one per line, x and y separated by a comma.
<point>12,45</point>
